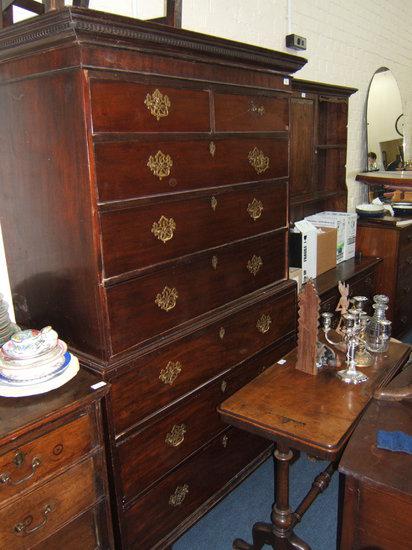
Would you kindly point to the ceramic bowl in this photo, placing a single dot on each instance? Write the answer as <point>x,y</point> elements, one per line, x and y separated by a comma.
<point>370,210</point>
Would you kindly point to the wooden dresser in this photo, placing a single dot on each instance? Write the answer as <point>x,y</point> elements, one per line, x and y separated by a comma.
<point>53,478</point>
<point>318,135</point>
<point>383,238</point>
<point>145,215</point>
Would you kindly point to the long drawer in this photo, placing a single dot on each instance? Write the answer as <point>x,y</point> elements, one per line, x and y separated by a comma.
<point>178,368</point>
<point>148,454</point>
<point>48,507</point>
<point>128,169</point>
<point>137,237</point>
<point>184,490</point>
<point>121,106</point>
<point>188,288</point>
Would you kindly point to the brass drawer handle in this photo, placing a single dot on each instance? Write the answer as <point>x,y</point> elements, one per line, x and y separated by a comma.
<point>158,104</point>
<point>214,262</point>
<point>254,264</point>
<point>223,386</point>
<point>255,209</point>
<point>258,110</point>
<point>21,528</point>
<point>179,495</point>
<point>404,319</point>
<point>258,160</point>
<point>176,436</point>
<point>263,323</point>
<point>160,164</point>
<point>213,203</point>
<point>409,260</point>
<point>212,148</point>
<point>222,332</point>
<point>167,299</point>
<point>6,479</point>
<point>406,289</point>
<point>169,374</point>
<point>164,229</point>
<point>225,440</point>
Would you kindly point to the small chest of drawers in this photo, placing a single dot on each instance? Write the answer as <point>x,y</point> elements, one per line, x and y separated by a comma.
<point>53,481</point>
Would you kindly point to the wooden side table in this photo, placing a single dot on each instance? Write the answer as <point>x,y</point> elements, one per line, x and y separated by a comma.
<point>315,414</point>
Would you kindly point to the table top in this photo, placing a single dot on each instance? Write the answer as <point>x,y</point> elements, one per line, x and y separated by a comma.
<point>363,460</point>
<point>391,179</point>
<point>315,414</point>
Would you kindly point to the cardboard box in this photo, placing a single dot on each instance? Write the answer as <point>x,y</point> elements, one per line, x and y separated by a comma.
<point>302,248</point>
<point>295,273</point>
<point>326,249</point>
<point>351,221</point>
<point>323,219</point>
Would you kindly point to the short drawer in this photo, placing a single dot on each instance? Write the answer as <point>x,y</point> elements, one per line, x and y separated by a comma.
<point>192,484</point>
<point>182,366</point>
<point>40,513</point>
<point>31,462</point>
<point>121,106</point>
<point>149,454</point>
<point>249,113</point>
<point>128,169</point>
<point>193,286</point>
<point>135,238</point>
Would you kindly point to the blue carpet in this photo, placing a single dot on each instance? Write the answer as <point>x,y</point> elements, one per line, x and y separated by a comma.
<point>252,501</point>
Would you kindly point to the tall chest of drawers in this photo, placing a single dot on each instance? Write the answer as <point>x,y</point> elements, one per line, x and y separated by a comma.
<point>145,216</point>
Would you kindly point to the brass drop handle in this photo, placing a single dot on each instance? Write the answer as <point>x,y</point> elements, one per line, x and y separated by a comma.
<point>6,479</point>
<point>21,528</point>
<point>258,110</point>
<point>176,436</point>
<point>406,289</point>
<point>177,498</point>
<point>409,260</point>
<point>404,319</point>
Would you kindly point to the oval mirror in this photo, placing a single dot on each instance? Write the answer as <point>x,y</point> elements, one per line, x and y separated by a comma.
<point>384,115</point>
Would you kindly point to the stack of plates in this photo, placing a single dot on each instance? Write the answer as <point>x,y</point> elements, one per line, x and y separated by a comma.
<point>33,362</point>
<point>7,328</point>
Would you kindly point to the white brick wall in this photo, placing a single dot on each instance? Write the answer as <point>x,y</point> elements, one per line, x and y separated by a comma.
<point>348,40</point>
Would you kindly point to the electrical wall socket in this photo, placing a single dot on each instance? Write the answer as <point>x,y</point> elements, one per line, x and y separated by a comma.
<point>295,42</point>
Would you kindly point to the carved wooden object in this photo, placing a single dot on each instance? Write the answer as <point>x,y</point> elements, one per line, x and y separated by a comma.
<point>309,304</point>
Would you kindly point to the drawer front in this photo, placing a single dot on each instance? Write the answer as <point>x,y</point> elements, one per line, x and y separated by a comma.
<point>40,513</point>
<point>149,454</point>
<point>249,113</point>
<point>33,461</point>
<point>183,491</point>
<point>82,529</point>
<point>133,107</point>
<point>405,243</point>
<point>126,170</point>
<point>139,237</point>
<point>182,291</point>
<point>180,367</point>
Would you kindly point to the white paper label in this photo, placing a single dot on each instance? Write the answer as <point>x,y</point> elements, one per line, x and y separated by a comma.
<point>281,361</point>
<point>286,81</point>
<point>98,385</point>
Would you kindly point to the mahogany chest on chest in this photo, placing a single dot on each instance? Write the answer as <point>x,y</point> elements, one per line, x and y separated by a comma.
<point>145,212</point>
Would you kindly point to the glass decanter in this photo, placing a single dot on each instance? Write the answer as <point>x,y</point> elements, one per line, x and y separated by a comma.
<point>373,330</point>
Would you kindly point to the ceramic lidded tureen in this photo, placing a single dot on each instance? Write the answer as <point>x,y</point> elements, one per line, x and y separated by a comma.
<point>32,355</point>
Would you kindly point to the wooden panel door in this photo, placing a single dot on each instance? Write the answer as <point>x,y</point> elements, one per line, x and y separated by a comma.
<point>302,114</point>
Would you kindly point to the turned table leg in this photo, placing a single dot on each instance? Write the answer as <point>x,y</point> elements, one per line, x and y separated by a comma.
<point>280,533</point>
